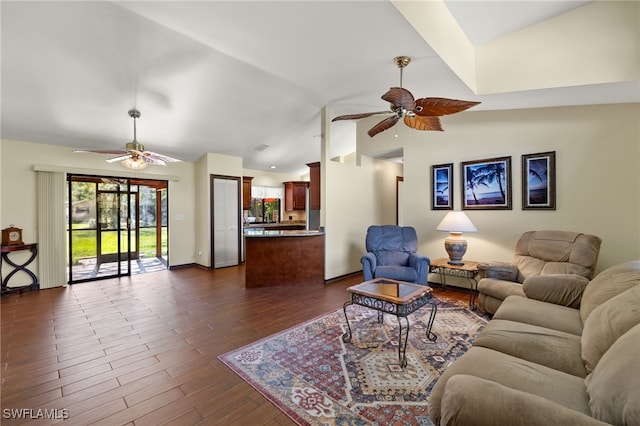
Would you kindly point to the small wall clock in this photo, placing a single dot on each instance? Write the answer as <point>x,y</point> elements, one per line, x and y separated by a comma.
<point>11,236</point>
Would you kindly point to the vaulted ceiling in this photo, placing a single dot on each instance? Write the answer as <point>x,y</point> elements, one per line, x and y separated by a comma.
<point>249,78</point>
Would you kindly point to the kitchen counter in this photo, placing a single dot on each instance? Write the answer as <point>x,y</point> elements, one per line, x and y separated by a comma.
<point>283,257</point>
<point>251,233</point>
<point>282,226</point>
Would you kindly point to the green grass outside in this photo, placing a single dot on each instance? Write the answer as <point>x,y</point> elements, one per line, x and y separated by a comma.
<point>84,243</point>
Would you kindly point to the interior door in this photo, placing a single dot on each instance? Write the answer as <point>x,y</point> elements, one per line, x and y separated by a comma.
<point>225,221</point>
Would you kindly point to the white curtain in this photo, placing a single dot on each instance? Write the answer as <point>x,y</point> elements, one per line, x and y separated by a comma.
<point>52,244</point>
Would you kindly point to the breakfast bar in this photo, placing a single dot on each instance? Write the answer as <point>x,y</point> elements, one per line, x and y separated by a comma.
<point>283,257</point>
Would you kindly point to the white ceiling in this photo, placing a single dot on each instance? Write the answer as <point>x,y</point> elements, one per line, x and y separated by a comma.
<point>232,76</point>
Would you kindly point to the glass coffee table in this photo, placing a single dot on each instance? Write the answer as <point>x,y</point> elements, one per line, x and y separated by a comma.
<point>392,297</point>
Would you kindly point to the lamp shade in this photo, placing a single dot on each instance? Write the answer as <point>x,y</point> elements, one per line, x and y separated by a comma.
<point>456,221</point>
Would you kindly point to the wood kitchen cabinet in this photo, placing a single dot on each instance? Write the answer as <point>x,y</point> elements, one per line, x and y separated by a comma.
<point>295,195</point>
<point>314,186</point>
<point>246,192</point>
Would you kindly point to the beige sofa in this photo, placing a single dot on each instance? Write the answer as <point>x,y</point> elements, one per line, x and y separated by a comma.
<point>537,253</point>
<point>538,362</point>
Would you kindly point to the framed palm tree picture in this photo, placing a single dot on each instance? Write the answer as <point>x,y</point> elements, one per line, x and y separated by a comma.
<point>442,187</point>
<point>486,184</point>
<point>539,181</point>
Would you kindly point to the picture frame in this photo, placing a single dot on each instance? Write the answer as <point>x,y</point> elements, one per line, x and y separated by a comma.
<point>539,181</point>
<point>486,184</point>
<point>442,187</point>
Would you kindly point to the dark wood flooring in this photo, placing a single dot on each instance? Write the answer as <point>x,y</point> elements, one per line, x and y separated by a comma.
<point>143,350</point>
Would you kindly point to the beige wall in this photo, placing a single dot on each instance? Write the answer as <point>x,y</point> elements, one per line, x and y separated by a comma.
<point>207,165</point>
<point>598,178</point>
<point>598,184</point>
<point>18,189</point>
<point>356,197</point>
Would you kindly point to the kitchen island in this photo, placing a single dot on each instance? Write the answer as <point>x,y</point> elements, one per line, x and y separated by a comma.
<point>283,257</point>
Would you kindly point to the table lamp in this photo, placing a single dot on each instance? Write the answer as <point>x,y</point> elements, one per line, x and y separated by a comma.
<point>456,222</point>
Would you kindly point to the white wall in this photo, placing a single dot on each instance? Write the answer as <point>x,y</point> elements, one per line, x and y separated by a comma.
<point>598,178</point>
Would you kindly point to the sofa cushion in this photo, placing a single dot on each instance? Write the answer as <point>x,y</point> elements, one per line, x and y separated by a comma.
<point>515,373</point>
<point>400,273</point>
<point>499,289</point>
<point>542,314</point>
<point>393,258</point>
<point>614,384</point>
<point>607,323</point>
<point>472,401</point>
<point>561,289</point>
<point>555,349</point>
<point>556,252</point>
<point>392,238</point>
<point>607,284</point>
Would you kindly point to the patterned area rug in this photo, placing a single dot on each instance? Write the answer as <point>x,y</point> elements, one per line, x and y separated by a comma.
<point>310,374</point>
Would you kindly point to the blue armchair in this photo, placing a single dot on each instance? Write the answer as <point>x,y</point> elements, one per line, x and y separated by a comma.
<point>391,253</point>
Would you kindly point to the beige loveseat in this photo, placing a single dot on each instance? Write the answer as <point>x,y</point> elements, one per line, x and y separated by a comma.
<point>550,253</point>
<point>538,362</point>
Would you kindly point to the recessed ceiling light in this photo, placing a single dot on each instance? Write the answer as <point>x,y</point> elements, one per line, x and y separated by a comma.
<point>274,167</point>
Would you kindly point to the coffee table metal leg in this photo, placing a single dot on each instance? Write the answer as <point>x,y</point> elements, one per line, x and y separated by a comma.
<point>402,342</point>
<point>346,337</point>
<point>434,309</point>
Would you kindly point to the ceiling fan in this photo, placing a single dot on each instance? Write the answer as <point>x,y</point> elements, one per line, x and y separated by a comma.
<point>134,156</point>
<point>419,114</point>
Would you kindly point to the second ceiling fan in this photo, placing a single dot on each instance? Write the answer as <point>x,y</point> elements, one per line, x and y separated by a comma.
<point>419,114</point>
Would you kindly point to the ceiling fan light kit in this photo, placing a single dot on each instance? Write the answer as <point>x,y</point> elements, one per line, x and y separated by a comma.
<point>134,156</point>
<point>419,114</point>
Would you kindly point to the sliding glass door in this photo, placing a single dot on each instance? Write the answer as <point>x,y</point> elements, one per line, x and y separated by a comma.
<point>116,227</point>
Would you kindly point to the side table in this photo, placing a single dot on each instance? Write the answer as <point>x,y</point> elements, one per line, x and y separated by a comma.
<point>469,271</point>
<point>6,250</point>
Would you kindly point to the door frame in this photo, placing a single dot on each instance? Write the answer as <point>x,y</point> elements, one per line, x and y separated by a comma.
<point>124,255</point>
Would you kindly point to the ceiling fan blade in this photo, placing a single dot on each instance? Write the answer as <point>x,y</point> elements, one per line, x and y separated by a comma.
<point>104,151</point>
<point>120,158</point>
<point>398,96</point>
<point>385,124</point>
<point>160,157</point>
<point>423,123</point>
<point>441,106</point>
<point>359,116</point>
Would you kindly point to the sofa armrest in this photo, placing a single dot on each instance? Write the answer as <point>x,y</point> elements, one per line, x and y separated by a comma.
<point>469,400</point>
<point>369,264</point>
<point>500,270</point>
<point>560,289</point>
<point>421,263</point>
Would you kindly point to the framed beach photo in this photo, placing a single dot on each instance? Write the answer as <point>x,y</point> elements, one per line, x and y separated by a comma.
<point>486,184</point>
<point>539,181</point>
<point>442,187</point>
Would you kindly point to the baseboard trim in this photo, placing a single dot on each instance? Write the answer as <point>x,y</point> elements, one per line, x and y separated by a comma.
<point>341,277</point>
<point>188,265</point>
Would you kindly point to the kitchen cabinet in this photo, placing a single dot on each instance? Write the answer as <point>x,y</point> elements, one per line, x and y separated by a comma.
<point>246,192</point>
<point>314,186</point>
<point>295,195</point>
